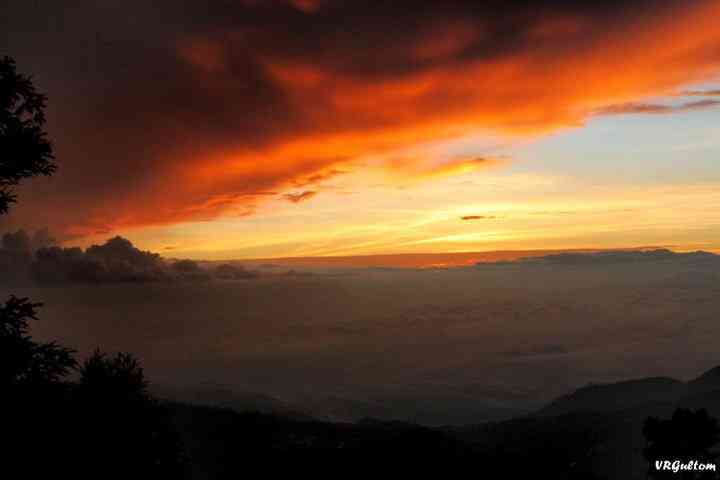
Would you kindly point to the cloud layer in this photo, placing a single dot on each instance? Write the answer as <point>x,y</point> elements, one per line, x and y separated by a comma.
<point>26,259</point>
<point>181,111</point>
<point>658,109</point>
<point>299,197</point>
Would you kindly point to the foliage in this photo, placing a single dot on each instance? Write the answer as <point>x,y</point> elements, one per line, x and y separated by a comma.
<point>25,150</point>
<point>131,430</point>
<point>105,426</point>
<point>24,360</point>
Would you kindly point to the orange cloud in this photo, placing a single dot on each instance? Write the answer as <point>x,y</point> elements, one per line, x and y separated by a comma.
<point>702,93</point>
<point>299,197</point>
<point>228,101</point>
<point>657,109</point>
<point>412,168</point>
<point>318,177</point>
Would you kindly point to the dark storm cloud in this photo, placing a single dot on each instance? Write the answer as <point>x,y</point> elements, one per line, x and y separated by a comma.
<point>26,258</point>
<point>116,260</point>
<point>172,111</point>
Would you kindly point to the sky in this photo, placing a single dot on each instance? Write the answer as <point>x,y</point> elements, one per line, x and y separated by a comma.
<point>246,129</point>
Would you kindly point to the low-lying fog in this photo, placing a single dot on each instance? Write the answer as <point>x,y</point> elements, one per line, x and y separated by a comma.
<point>434,346</point>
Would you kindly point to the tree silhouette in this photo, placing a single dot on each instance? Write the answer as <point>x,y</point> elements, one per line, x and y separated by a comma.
<point>24,148</point>
<point>126,426</point>
<point>26,362</point>
<point>106,425</point>
<point>32,399</point>
<point>33,403</point>
<point>24,152</point>
<point>687,436</point>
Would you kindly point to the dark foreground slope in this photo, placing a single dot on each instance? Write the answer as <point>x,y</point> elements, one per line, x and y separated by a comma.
<point>602,423</point>
<point>221,443</point>
<point>593,433</point>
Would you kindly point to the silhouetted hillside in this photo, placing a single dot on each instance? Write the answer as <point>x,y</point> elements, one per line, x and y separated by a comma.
<point>707,382</point>
<point>595,432</point>
<point>220,443</point>
<point>218,396</point>
<point>617,396</point>
<point>631,394</point>
<point>612,257</point>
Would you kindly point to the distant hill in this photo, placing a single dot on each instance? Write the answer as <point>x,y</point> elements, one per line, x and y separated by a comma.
<point>418,260</point>
<point>218,396</point>
<point>617,396</point>
<point>630,394</point>
<point>613,257</point>
<point>594,432</point>
<point>707,382</point>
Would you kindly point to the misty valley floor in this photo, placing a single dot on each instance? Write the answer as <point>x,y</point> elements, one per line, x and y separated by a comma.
<point>435,347</point>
